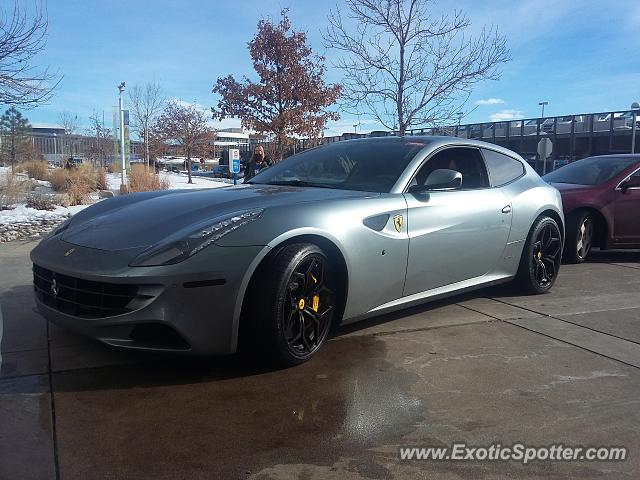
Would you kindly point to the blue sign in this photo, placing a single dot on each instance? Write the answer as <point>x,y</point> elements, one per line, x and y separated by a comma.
<point>236,165</point>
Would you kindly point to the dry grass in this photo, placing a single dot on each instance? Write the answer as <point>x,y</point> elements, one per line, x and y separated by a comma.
<point>114,167</point>
<point>101,179</point>
<point>83,181</point>
<point>37,169</point>
<point>78,183</point>
<point>143,179</point>
<point>60,180</point>
<point>12,191</point>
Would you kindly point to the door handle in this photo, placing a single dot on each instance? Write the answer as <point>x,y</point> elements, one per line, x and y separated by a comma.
<point>507,209</point>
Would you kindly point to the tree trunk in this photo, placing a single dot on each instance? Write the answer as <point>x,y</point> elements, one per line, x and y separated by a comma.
<point>189,166</point>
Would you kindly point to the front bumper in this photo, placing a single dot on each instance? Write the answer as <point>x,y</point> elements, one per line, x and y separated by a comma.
<point>193,307</point>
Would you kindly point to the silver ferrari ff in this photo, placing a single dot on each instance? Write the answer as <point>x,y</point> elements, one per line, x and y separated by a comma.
<point>329,236</point>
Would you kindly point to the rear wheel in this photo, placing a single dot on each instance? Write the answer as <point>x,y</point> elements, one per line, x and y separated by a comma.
<point>296,305</point>
<point>580,236</point>
<point>541,256</point>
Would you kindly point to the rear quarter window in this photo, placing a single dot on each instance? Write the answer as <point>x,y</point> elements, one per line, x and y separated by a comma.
<point>502,168</point>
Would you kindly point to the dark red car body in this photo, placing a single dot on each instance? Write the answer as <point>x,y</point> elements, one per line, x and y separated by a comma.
<point>614,204</point>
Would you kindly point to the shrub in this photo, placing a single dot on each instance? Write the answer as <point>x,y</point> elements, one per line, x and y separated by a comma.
<point>60,180</point>
<point>41,201</point>
<point>37,169</point>
<point>143,179</point>
<point>12,191</point>
<point>82,181</point>
<point>101,179</point>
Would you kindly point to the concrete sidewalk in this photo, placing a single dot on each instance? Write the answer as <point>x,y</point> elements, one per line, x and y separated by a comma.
<point>487,367</point>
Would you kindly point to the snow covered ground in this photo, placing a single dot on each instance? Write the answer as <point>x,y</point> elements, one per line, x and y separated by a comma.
<point>24,222</point>
<point>177,181</point>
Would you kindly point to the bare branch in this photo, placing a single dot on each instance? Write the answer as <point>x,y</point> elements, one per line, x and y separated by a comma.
<point>68,121</point>
<point>22,37</point>
<point>406,66</point>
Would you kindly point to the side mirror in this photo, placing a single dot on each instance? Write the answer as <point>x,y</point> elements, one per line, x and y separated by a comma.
<point>443,179</point>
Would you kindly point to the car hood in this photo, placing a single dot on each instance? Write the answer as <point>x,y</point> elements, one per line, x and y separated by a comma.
<point>146,220</point>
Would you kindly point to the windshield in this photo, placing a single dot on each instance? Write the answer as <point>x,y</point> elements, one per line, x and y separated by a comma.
<point>590,171</point>
<point>370,166</point>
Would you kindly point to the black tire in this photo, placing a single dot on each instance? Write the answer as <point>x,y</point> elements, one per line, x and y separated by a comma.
<point>580,235</point>
<point>541,257</point>
<point>288,325</point>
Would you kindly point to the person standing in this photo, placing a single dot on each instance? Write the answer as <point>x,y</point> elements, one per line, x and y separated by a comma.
<point>257,162</point>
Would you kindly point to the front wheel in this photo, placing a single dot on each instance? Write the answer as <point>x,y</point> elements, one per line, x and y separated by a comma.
<point>541,256</point>
<point>580,234</point>
<point>296,304</point>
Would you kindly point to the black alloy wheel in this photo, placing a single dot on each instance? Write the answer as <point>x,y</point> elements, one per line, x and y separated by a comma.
<point>292,305</point>
<point>308,306</point>
<point>546,255</point>
<point>541,256</point>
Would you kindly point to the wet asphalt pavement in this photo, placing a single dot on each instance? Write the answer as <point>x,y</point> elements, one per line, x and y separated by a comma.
<point>486,367</point>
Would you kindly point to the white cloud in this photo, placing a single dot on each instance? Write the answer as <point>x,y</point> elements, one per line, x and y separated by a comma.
<point>490,101</point>
<point>213,123</point>
<point>503,115</point>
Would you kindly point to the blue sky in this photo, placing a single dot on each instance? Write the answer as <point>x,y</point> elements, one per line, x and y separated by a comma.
<point>579,55</point>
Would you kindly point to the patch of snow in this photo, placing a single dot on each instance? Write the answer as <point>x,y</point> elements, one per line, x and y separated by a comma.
<point>24,214</point>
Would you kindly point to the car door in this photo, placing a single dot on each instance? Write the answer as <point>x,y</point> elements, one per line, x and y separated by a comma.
<point>627,211</point>
<point>458,234</point>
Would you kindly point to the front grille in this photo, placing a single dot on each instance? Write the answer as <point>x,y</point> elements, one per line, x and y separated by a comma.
<point>88,299</point>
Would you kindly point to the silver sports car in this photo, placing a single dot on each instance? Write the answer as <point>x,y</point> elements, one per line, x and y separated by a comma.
<point>332,235</point>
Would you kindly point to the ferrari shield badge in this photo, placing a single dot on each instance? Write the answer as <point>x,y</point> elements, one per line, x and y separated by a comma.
<point>397,222</point>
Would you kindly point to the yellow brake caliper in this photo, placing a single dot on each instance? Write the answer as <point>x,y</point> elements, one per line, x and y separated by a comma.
<point>316,298</point>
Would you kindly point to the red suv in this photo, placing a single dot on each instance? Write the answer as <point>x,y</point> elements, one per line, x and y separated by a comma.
<point>601,201</point>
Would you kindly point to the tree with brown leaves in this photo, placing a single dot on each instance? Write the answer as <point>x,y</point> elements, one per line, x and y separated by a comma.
<point>186,126</point>
<point>290,98</point>
<point>407,66</point>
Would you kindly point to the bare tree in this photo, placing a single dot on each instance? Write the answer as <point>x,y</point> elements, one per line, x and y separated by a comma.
<point>186,126</point>
<point>407,66</point>
<point>68,121</point>
<point>146,104</point>
<point>22,38</point>
<point>101,144</point>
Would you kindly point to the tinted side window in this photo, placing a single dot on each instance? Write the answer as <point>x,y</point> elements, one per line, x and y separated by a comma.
<point>467,161</point>
<point>502,169</point>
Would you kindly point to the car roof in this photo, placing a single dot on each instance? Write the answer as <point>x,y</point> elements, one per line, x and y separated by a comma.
<point>433,141</point>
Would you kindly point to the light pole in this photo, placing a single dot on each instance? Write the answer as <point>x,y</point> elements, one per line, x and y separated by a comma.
<point>355,128</point>
<point>634,108</point>
<point>123,180</point>
<point>542,104</point>
<point>459,115</point>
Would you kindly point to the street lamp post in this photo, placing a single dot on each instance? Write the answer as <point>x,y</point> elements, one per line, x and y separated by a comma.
<point>542,104</point>
<point>459,115</point>
<point>355,128</point>
<point>123,180</point>
<point>634,108</point>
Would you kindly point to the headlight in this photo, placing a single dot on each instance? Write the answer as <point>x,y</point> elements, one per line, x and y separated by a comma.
<point>179,247</point>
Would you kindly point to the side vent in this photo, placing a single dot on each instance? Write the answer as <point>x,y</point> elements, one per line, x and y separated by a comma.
<point>377,222</point>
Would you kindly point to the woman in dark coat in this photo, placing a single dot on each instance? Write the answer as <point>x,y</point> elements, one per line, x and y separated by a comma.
<point>257,162</point>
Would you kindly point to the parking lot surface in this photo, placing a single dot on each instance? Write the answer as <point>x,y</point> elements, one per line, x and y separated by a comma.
<point>490,366</point>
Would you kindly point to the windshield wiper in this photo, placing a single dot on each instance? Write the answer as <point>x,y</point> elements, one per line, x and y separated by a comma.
<point>301,183</point>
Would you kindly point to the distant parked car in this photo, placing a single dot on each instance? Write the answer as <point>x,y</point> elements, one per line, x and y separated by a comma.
<point>601,202</point>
